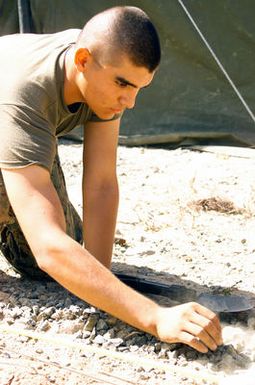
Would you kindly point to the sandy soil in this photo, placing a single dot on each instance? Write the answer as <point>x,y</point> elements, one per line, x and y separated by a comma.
<point>185,217</point>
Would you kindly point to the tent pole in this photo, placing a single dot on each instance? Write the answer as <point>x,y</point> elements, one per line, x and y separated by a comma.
<point>25,18</point>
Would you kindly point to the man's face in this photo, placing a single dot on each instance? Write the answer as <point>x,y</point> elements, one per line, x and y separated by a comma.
<point>110,89</point>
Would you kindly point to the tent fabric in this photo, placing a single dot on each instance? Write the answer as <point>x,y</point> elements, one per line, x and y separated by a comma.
<point>9,21</point>
<point>190,97</point>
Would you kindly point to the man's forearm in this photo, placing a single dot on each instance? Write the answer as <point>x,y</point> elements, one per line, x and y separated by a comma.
<point>78,271</point>
<point>99,218</point>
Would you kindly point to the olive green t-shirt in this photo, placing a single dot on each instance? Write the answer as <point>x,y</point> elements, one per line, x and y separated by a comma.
<point>32,108</point>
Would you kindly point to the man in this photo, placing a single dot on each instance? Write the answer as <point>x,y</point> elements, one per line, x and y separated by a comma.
<point>49,84</point>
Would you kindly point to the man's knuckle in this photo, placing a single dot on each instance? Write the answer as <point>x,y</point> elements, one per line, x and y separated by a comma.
<point>209,325</point>
<point>192,306</point>
<point>200,331</point>
<point>193,340</point>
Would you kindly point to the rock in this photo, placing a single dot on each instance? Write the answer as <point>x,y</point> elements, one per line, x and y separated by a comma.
<point>147,253</point>
<point>251,322</point>
<point>109,334</point>
<point>111,321</point>
<point>70,327</point>
<point>90,310</point>
<point>102,325</point>
<point>85,334</point>
<point>46,313</point>
<point>23,339</point>
<point>91,322</point>
<point>92,335</point>
<point>68,302</point>
<point>235,336</point>
<point>157,347</point>
<point>16,313</point>
<point>68,315</point>
<point>116,341</point>
<point>43,326</point>
<point>35,310</point>
<point>79,334</point>
<point>99,340</point>
<point>145,377</point>
<point>122,334</point>
<point>58,315</point>
<point>77,310</point>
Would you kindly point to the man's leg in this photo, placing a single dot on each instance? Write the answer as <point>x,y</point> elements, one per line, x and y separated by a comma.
<point>13,244</point>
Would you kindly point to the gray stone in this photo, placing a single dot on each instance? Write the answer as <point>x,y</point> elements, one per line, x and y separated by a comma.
<point>69,315</point>
<point>122,334</point>
<point>36,309</point>
<point>44,326</point>
<point>109,334</point>
<point>58,315</point>
<point>70,327</point>
<point>91,322</point>
<point>102,325</point>
<point>85,334</point>
<point>99,340</point>
<point>111,321</point>
<point>116,341</point>
<point>76,310</point>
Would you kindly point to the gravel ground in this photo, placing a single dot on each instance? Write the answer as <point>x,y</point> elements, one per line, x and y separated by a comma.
<point>185,217</point>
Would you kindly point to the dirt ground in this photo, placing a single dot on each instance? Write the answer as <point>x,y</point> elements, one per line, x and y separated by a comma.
<point>186,217</point>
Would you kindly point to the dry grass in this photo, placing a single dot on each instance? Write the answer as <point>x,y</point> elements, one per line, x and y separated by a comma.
<point>216,204</point>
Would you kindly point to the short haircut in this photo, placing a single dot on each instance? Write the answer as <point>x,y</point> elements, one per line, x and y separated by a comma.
<point>128,31</point>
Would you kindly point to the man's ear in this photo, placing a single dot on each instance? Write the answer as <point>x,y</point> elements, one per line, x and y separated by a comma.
<point>80,58</point>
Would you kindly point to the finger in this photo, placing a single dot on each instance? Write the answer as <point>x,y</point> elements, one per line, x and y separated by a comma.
<point>193,342</point>
<point>207,313</point>
<point>209,326</point>
<point>200,333</point>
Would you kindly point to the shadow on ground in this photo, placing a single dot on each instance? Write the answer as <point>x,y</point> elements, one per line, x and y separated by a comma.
<point>22,292</point>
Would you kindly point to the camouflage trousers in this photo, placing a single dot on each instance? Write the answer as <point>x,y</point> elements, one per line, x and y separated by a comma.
<point>13,244</point>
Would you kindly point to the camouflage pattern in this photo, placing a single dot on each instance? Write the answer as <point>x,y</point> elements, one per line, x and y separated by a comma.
<point>13,244</point>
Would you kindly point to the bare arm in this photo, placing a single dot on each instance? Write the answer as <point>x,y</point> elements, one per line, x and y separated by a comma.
<point>100,188</point>
<point>40,215</point>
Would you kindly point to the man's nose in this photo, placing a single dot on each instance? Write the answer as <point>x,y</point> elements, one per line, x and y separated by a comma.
<point>128,101</point>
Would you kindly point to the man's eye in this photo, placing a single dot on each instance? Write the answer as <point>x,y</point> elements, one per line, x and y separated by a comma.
<point>121,84</point>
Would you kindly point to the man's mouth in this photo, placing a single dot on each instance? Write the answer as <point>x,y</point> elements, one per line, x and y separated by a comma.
<point>116,110</point>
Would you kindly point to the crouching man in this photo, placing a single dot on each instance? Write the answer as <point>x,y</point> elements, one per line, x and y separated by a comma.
<point>49,84</point>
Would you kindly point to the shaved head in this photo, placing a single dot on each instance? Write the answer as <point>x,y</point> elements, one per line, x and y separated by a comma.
<point>119,32</point>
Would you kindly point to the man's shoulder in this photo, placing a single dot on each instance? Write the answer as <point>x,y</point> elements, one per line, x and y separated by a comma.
<point>36,70</point>
<point>58,39</point>
<point>63,37</point>
<point>68,35</point>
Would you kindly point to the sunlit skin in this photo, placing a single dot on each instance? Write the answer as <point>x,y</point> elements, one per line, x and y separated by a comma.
<point>107,89</point>
<point>98,73</point>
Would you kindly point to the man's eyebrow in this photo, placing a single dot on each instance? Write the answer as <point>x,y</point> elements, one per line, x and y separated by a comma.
<point>125,81</point>
<point>128,83</point>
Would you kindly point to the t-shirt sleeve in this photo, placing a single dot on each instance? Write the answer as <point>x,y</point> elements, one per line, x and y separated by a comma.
<point>25,138</point>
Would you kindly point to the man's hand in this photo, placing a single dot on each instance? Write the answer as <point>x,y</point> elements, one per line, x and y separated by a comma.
<point>31,192</point>
<point>191,324</point>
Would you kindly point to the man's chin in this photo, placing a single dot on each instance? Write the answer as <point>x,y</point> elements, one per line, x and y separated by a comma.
<point>107,115</point>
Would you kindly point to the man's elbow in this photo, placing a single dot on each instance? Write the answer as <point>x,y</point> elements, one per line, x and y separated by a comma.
<point>103,188</point>
<point>48,255</point>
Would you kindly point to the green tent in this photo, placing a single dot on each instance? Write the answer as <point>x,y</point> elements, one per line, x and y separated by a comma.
<point>190,96</point>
